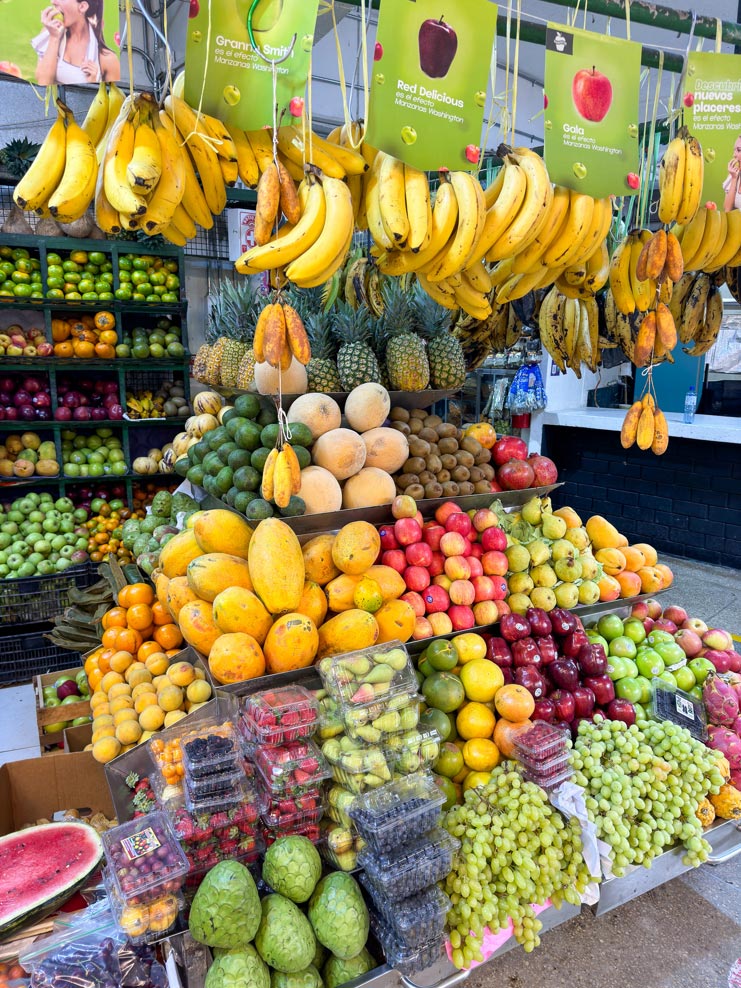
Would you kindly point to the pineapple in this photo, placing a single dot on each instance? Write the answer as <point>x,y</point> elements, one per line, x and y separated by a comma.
<point>212,376</point>
<point>444,351</point>
<point>406,356</point>
<point>246,371</point>
<point>18,155</point>
<point>379,347</point>
<point>322,368</point>
<point>356,362</point>
<point>232,315</point>
<point>200,362</point>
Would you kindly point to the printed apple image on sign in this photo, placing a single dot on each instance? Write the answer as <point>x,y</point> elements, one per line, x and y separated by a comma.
<point>438,44</point>
<point>591,93</point>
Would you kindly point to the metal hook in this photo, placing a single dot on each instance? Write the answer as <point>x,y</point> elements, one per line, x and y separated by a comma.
<point>251,33</point>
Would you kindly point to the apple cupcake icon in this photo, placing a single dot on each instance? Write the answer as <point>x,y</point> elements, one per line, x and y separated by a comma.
<point>438,44</point>
<point>591,92</point>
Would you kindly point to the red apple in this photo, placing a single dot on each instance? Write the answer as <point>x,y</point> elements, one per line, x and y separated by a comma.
<point>422,629</point>
<point>592,660</point>
<point>688,99</point>
<point>540,623</point>
<point>484,588</point>
<point>514,627</point>
<point>499,652</point>
<point>459,522</point>
<point>448,508</point>
<point>563,701</point>
<point>457,568</point>
<point>508,448</point>
<point>503,608</point>
<point>696,625</point>
<point>664,625</point>
<point>721,660</point>
<point>437,564</point>
<point>418,554</point>
<point>453,544</point>
<point>584,701</point>
<point>545,709</point>
<point>415,601</point>
<point>462,617</point>
<point>654,608</point>
<point>621,710</point>
<point>476,550</point>
<point>474,566</point>
<point>602,687</point>
<point>591,92</point>
<point>544,469</point>
<point>494,487</point>
<point>432,533</point>
<point>676,614</point>
<point>388,539</point>
<point>407,531</point>
<point>494,539</point>
<point>547,649</point>
<point>573,642</point>
<point>633,180</point>
<point>717,639</point>
<point>648,625</point>
<point>486,612</point>
<point>689,642</point>
<point>564,673</point>
<point>639,610</point>
<point>416,578</point>
<point>516,475</point>
<point>435,598</point>
<point>484,518</point>
<point>495,563</point>
<point>530,678</point>
<point>525,652</point>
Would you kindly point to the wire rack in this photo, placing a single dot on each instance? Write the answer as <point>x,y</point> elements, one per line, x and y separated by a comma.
<point>151,380</point>
<point>213,243</point>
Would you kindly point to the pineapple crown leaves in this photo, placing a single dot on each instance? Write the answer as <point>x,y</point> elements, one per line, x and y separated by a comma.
<point>306,301</point>
<point>323,344</point>
<point>430,318</point>
<point>352,325</point>
<point>18,155</point>
<point>233,311</point>
<point>399,315</point>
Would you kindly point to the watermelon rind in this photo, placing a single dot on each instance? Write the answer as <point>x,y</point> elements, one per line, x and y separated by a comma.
<point>41,868</point>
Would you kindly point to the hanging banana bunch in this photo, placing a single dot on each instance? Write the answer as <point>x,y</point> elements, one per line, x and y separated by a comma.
<point>645,424</point>
<point>681,175</point>
<point>570,330</point>
<point>281,476</point>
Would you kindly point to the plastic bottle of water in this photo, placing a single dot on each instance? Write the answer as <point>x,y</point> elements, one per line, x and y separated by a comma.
<point>690,404</point>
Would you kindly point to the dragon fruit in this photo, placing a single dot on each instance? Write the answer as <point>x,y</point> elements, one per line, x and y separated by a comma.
<point>735,779</point>
<point>728,743</point>
<point>721,702</point>
<point>736,726</point>
<point>735,661</point>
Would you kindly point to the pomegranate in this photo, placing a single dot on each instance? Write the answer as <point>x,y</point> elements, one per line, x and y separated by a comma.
<point>544,469</point>
<point>516,475</point>
<point>508,448</point>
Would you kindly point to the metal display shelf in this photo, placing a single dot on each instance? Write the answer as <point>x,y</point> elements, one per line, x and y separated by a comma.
<point>36,425</point>
<point>399,399</point>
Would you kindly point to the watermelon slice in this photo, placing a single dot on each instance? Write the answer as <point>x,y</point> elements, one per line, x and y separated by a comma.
<point>42,867</point>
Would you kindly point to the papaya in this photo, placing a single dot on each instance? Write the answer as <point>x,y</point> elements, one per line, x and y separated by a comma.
<point>178,553</point>
<point>648,551</point>
<point>318,562</point>
<point>292,643</point>
<point>602,534</point>
<point>222,531</point>
<point>634,558</point>
<point>613,561</point>
<point>196,622</point>
<point>389,580</point>
<point>313,602</point>
<point>161,583</point>
<point>235,658</point>
<point>356,547</point>
<point>395,620</point>
<point>237,609</point>
<point>208,575</point>
<point>609,588</point>
<point>276,566</point>
<point>340,592</point>
<point>347,632</point>
<point>178,594</point>
<point>571,518</point>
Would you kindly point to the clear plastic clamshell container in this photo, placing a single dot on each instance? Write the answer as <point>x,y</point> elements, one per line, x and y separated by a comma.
<point>551,776</point>
<point>205,787</point>
<point>381,721</point>
<point>246,851</point>
<point>279,812</point>
<point>206,829</point>
<point>369,675</point>
<point>291,767</point>
<point>415,920</point>
<point>406,960</point>
<point>414,751</point>
<point>338,801</point>
<point>356,766</point>
<point>279,715</point>
<point>397,813</point>
<point>145,858</point>
<point>308,829</point>
<point>144,922</point>
<point>340,845</point>
<point>541,744</point>
<point>220,800</point>
<point>209,752</point>
<point>413,866</point>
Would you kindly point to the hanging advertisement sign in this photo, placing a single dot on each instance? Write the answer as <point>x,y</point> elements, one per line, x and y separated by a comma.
<point>429,80</point>
<point>238,86</point>
<point>712,111</point>
<point>66,43</point>
<point>592,85</point>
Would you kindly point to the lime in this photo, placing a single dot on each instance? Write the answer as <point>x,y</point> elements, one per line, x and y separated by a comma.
<point>442,656</point>
<point>450,760</point>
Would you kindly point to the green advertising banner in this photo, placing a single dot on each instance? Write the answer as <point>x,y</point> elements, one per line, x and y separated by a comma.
<point>238,82</point>
<point>64,43</point>
<point>712,102</point>
<point>430,73</point>
<point>592,85</point>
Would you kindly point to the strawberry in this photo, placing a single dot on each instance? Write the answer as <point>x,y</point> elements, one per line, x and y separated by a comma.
<point>219,820</point>
<point>310,764</point>
<point>228,847</point>
<point>291,718</point>
<point>301,778</point>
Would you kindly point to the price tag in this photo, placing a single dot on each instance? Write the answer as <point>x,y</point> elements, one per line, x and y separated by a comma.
<point>684,707</point>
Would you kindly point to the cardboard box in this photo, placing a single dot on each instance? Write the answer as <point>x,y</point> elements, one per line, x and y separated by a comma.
<point>53,715</point>
<point>75,738</point>
<point>37,788</point>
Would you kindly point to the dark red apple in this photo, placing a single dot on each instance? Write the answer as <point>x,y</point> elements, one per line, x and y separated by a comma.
<point>475,566</point>
<point>648,625</point>
<point>540,623</point>
<point>592,660</point>
<point>494,540</point>
<point>530,678</point>
<point>584,701</point>
<point>602,687</point>
<point>462,617</point>
<point>514,627</point>
<point>544,468</point>
<point>665,625</point>
<point>572,643</point>
<point>591,92</point>
<point>621,710</point>
<point>435,599</point>
<point>563,621</point>
<point>516,475</point>
<point>394,558</point>
<point>545,709</point>
<point>563,701</point>
<point>676,614</point>
<point>437,564</point>
<point>418,554</point>
<point>432,533</point>
<point>564,673</point>
<point>438,44</point>
<point>547,649</point>
<point>525,652</point>
<point>388,539</point>
<point>407,531</point>
<point>459,522</point>
<point>416,578</point>
<point>499,652</point>
<point>508,448</point>
<point>415,601</point>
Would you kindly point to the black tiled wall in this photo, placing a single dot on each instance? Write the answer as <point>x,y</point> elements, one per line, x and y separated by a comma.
<point>686,502</point>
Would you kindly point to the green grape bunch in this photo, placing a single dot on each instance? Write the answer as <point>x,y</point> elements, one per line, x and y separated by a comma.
<point>643,785</point>
<point>516,851</point>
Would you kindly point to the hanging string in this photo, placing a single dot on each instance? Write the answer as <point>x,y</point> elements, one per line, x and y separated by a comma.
<point>627,19</point>
<point>129,48</point>
<point>584,22</point>
<point>516,72</point>
<point>718,35</point>
<point>650,148</point>
<point>504,120</point>
<point>341,71</point>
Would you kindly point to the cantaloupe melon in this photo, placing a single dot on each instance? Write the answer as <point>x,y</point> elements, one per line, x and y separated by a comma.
<point>318,412</point>
<point>367,407</point>
<point>292,381</point>
<point>368,488</point>
<point>320,491</point>
<point>387,449</point>
<point>341,451</point>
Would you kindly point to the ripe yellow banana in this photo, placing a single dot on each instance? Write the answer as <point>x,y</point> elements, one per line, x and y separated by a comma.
<point>491,192</point>
<point>115,164</point>
<point>598,269</point>
<point>96,119</point>
<point>533,214</point>
<point>291,143</point>
<point>478,277</point>
<point>33,190</point>
<point>712,235</point>
<point>261,143</point>
<point>643,290</point>
<point>671,179</point>
<point>145,167</point>
<point>532,256</point>
<point>246,160</point>
<point>76,189</point>
<point>731,245</point>
<point>183,222</point>
<point>573,232</point>
<point>444,219</point>
<point>350,160</point>
<point>170,188</point>
<point>620,277</point>
<point>694,174</point>
<point>224,145</point>
<point>338,221</point>
<point>193,201</point>
<point>283,250</point>
<point>106,217</point>
<point>511,188</point>
<point>204,157</point>
<point>437,292</point>
<point>601,223</point>
<point>707,332</point>
<point>418,209</point>
<point>629,430</point>
<point>376,226</point>
<point>474,302</point>
<point>471,218</point>
<point>392,199</point>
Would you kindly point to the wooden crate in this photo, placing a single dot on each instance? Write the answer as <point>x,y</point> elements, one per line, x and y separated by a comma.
<point>52,715</point>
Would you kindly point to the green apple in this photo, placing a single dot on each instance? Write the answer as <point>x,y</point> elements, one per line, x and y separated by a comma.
<point>659,636</point>
<point>633,628</point>
<point>696,693</point>
<point>646,690</point>
<point>671,653</point>
<point>610,626</point>
<point>616,667</point>
<point>668,677</point>
<point>649,663</point>
<point>629,688</point>
<point>623,647</point>
<point>685,678</point>
<point>631,669</point>
<point>701,669</point>
<point>596,639</point>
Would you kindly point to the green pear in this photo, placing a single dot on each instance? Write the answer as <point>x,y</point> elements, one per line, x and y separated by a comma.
<point>520,583</point>
<point>539,552</point>
<point>532,510</point>
<point>544,598</point>
<point>578,537</point>
<point>588,592</point>
<point>561,549</point>
<point>518,558</point>
<point>543,576</point>
<point>590,568</point>
<point>568,569</point>
<point>567,595</point>
<point>553,527</point>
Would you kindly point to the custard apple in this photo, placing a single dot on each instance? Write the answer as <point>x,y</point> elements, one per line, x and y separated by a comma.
<point>339,915</point>
<point>241,968</point>
<point>319,955</point>
<point>292,867</point>
<point>337,971</point>
<point>284,938</point>
<point>308,978</point>
<point>226,907</point>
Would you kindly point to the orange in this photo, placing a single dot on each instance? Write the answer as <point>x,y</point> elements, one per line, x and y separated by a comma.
<point>129,640</point>
<point>505,733</point>
<point>514,702</point>
<point>105,351</point>
<point>161,613</point>
<point>109,336</point>
<point>104,662</point>
<point>115,618</point>
<point>64,349</point>
<point>172,651</point>
<point>168,636</point>
<point>109,637</point>
<point>469,646</point>
<point>94,679</point>
<point>83,349</point>
<point>481,754</point>
<point>136,593</point>
<point>104,320</point>
<point>475,720</point>
<point>139,617</point>
<point>481,679</point>
<point>146,649</point>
